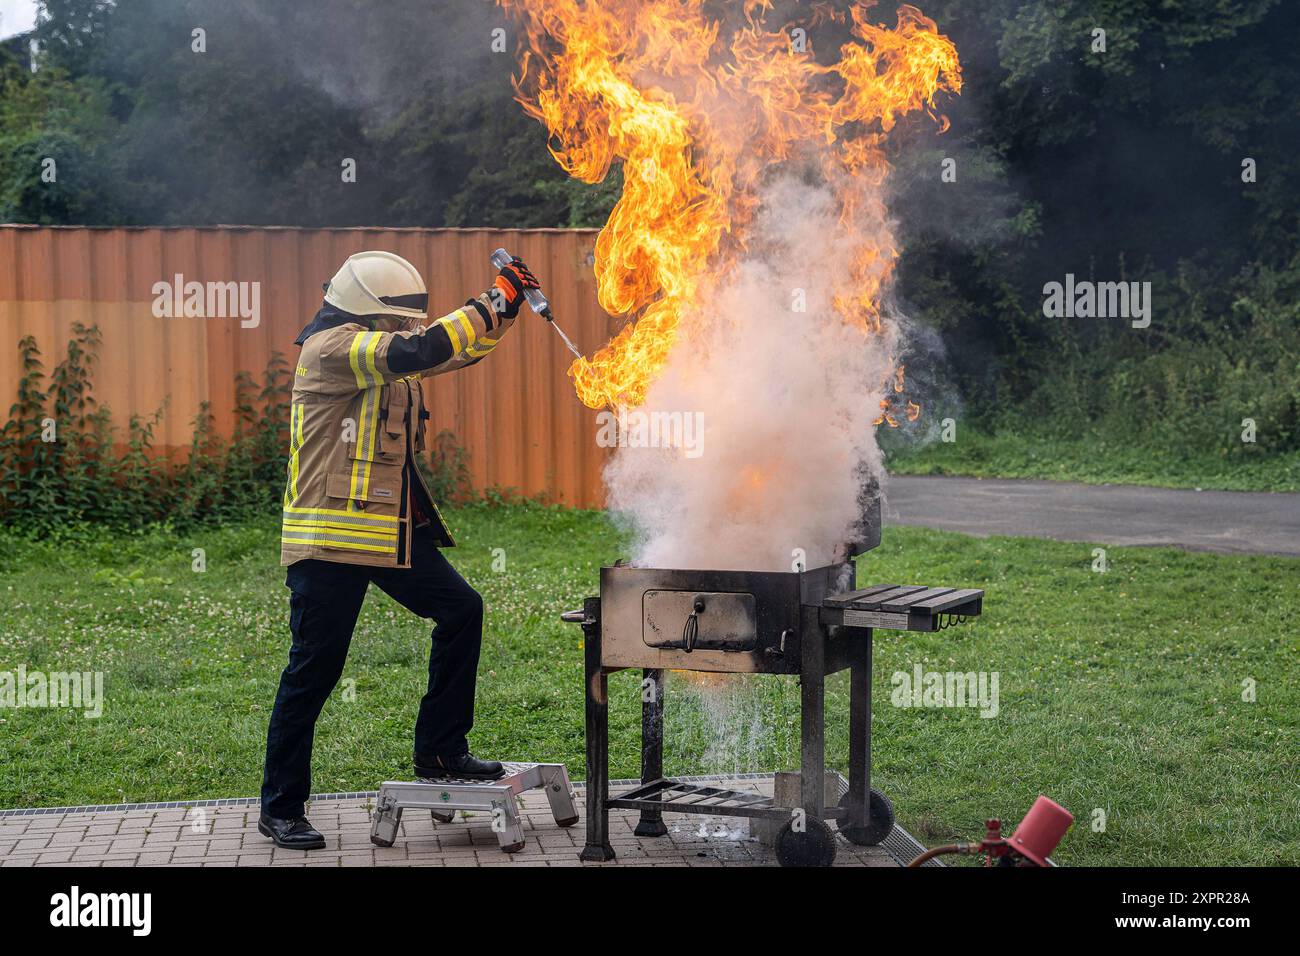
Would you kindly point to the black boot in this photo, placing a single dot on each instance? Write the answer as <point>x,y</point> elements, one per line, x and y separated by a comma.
<point>459,767</point>
<point>297,834</point>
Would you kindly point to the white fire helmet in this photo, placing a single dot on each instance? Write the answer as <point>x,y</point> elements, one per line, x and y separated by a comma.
<point>379,283</point>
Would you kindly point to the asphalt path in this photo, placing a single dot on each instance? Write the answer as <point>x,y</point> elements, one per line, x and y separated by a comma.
<point>1232,522</point>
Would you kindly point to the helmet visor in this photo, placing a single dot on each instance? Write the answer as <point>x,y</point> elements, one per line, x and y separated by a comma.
<point>416,300</point>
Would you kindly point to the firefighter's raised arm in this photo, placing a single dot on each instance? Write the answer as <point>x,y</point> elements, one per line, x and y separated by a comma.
<point>379,354</point>
<point>468,334</point>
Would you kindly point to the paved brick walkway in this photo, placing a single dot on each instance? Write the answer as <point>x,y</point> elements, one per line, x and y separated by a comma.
<point>227,836</point>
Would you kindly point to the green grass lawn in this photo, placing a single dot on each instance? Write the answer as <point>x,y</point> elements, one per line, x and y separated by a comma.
<point>1094,460</point>
<point>1121,693</point>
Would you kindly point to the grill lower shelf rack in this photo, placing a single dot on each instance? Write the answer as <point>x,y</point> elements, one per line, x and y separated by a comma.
<point>670,795</point>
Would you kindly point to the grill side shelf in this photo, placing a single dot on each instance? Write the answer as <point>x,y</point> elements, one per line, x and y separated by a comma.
<point>846,598</point>
<point>916,597</point>
<point>902,608</point>
<point>949,603</point>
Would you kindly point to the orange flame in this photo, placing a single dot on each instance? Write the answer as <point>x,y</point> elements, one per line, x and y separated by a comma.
<point>696,119</point>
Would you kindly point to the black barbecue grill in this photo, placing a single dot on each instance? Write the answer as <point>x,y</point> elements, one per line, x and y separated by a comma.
<point>759,622</point>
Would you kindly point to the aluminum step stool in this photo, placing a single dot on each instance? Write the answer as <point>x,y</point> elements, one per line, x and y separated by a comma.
<point>443,796</point>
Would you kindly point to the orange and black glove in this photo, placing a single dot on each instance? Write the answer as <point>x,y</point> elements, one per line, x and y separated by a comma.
<point>508,290</point>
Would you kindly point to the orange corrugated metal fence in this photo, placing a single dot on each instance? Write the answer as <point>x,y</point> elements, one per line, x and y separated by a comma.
<point>514,414</point>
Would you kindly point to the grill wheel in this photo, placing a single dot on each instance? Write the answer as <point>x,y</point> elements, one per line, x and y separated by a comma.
<point>882,821</point>
<point>815,846</point>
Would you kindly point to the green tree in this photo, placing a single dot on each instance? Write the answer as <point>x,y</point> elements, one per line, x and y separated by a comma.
<point>55,161</point>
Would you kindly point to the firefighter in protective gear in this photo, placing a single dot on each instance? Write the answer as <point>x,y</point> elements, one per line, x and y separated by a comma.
<point>357,510</point>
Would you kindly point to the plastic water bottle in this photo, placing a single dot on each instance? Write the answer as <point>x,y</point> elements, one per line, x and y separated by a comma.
<point>501,259</point>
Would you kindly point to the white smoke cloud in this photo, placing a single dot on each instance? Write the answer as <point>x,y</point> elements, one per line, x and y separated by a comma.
<point>788,399</point>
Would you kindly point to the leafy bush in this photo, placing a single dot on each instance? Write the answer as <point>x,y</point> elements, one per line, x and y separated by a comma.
<point>1211,359</point>
<point>63,471</point>
<point>62,465</point>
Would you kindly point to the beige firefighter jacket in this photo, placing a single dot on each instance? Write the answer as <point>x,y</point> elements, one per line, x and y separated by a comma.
<point>357,421</point>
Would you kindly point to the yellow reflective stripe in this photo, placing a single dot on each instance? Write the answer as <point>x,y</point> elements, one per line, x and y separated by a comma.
<point>370,359</point>
<point>354,358</point>
<point>335,543</point>
<point>340,531</point>
<point>295,445</point>
<point>341,514</point>
<point>305,527</point>
<point>451,334</point>
<point>343,534</point>
<point>363,421</point>
<point>354,483</point>
<point>363,365</point>
<point>470,335</point>
<point>350,522</point>
<point>360,478</point>
<point>347,537</point>
<point>340,522</point>
<point>372,422</point>
<point>482,347</point>
<point>367,428</point>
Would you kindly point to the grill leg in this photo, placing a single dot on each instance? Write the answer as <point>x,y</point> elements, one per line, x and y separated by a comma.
<point>812,747</point>
<point>651,823</point>
<point>860,735</point>
<point>597,848</point>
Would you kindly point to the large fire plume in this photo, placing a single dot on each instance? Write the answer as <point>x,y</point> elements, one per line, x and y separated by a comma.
<point>749,252</point>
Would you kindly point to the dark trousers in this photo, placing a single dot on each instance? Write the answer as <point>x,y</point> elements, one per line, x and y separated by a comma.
<point>326,599</point>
